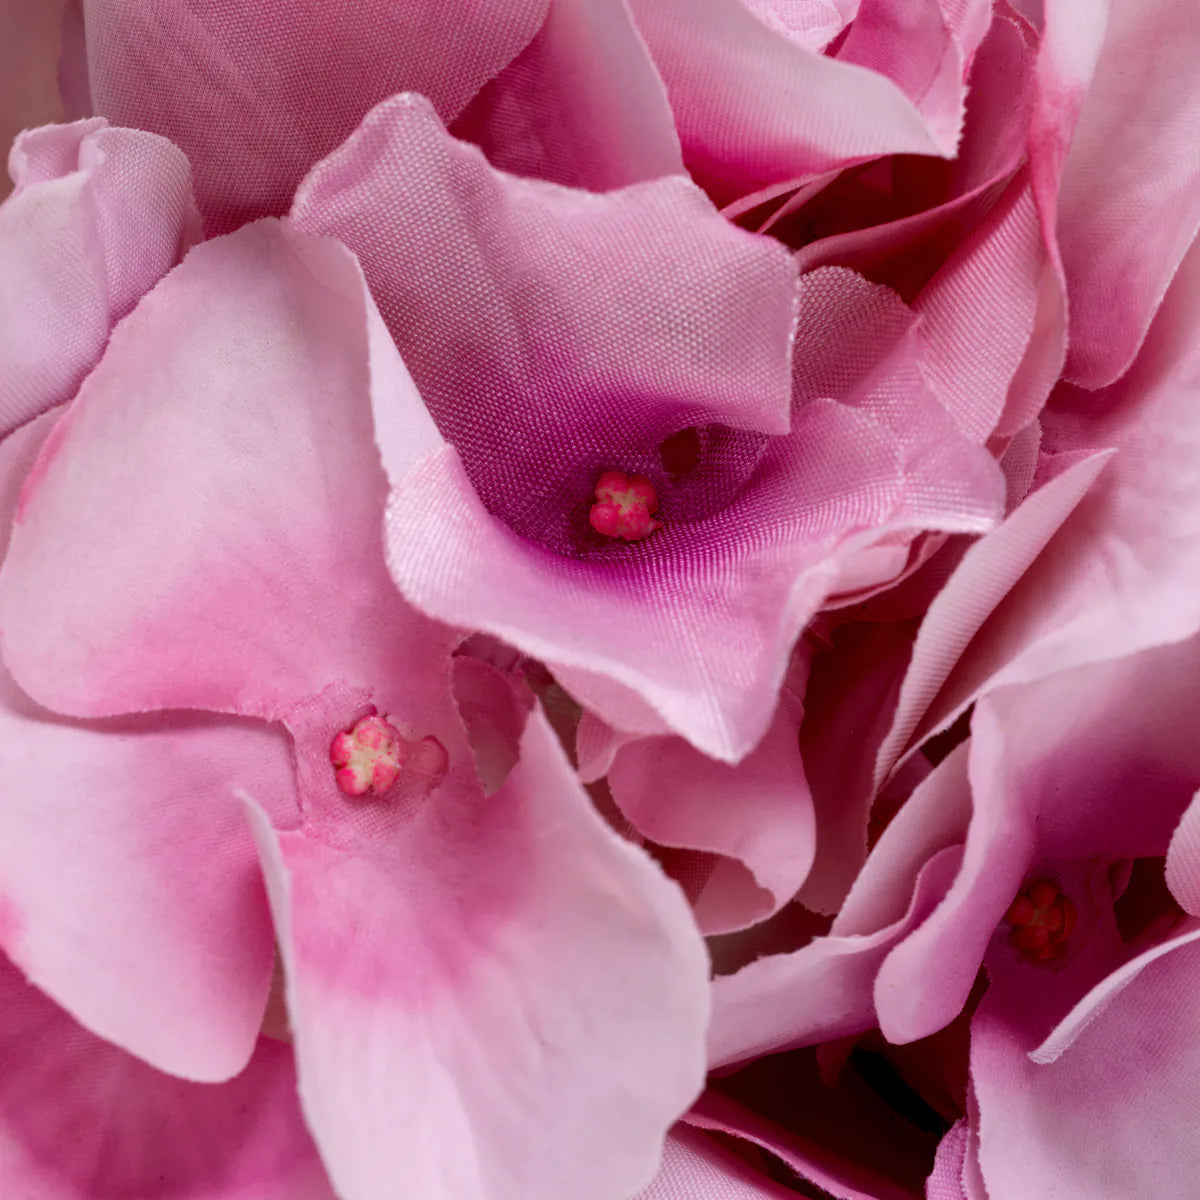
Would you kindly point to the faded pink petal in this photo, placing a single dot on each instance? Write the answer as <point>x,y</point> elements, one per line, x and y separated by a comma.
<point>823,991</point>
<point>850,694</point>
<point>239,568</point>
<point>1112,1116</point>
<point>858,342</point>
<point>255,94</point>
<point>818,993</point>
<point>946,1182</point>
<point>978,312</point>
<point>581,105</point>
<point>754,108</point>
<point>521,1008</point>
<point>98,216</point>
<point>757,813</point>
<point>30,31</point>
<point>1114,577</point>
<point>1055,767</point>
<point>988,571</point>
<point>82,1120</point>
<point>912,43</point>
<point>128,881</point>
<point>694,1165</point>
<point>1129,207</point>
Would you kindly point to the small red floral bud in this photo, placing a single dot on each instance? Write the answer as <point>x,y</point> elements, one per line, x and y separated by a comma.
<point>368,757</point>
<point>1042,919</point>
<point>624,507</point>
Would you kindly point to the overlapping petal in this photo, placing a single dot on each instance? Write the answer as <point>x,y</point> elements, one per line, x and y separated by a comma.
<point>581,105</point>
<point>242,559</point>
<point>506,954</point>
<point>569,375</point>
<point>82,1120</point>
<point>755,107</point>
<point>99,215</point>
<point>1129,206</point>
<point>756,815</point>
<point>255,94</point>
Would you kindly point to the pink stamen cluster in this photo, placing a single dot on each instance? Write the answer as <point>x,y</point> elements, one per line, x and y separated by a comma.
<point>624,507</point>
<point>1042,919</point>
<point>369,757</point>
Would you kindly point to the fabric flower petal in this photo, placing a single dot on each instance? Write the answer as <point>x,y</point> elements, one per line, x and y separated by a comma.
<point>1122,241</point>
<point>521,1008</point>
<point>128,881</point>
<point>694,1165</point>
<point>987,572</point>
<point>754,108</point>
<point>243,558</point>
<point>29,41</point>
<point>581,105</point>
<point>255,94</point>
<point>99,215</point>
<point>757,813</point>
<point>82,1120</point>
<point>1183,859</point>
<point>1053,765</point>
<point>1062,1128</point>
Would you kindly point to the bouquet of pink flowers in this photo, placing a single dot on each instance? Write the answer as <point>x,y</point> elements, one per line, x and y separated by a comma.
<point>600,599</point>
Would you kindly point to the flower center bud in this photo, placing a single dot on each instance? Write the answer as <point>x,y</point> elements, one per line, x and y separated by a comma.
<point>624,507</point>
<point>1042,919</point>
<point>369,757</point>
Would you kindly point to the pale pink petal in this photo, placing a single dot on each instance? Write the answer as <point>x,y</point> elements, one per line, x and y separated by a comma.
<point>912,43</point>
<point>977,312</point>
<point>1183,860</point>
<point>754,108</point>
<point>1118,575</point>
<point>824,990</point>
<point>850,694</point>
<point>986,574</point>
<point>757,813</point>
<point>946,1182</point>
<point>1112,1117</point>
<point>82,1120</point>
<point>741,583</point>
<point>581,105</point>
<point>256,93</point>
<point>695,1166</point>
<point>30,32</point>
<point>1129,206</point>
<point>860,343</point>
<point>901,231</point>
<point>1062,768</point>
<point>99,215</point>
<point>521,1008</point>
<point>812,24</point>
<point>615,306</point>
<point>239,568</point>
<point>1107,992</point>
<point>128,880</point>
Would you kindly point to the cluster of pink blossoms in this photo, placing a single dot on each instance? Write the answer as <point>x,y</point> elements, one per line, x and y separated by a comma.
<point>600,600</point>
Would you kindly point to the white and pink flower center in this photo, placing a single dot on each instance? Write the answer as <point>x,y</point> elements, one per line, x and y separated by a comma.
<point>369,757</point>
<point>625,507</point>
